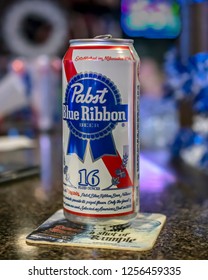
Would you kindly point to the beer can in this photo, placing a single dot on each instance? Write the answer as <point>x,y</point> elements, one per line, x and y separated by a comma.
<point>100,131</point>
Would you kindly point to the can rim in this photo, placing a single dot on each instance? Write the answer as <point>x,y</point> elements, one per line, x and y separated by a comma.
<point>101,40</point>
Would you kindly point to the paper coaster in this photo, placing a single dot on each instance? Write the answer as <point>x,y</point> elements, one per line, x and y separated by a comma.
<point>140,235</point>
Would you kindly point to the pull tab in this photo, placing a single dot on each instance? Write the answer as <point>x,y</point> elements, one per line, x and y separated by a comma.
<point>106,36</point>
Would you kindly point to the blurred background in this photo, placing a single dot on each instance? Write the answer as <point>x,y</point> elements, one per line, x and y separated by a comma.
<point>170,36</point>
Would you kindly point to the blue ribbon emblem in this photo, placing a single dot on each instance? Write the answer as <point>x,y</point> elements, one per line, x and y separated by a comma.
<point>92,109</point>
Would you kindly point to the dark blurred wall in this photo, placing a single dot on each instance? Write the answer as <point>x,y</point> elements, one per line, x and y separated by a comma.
<point>199,27</point>
<point>86,18</point>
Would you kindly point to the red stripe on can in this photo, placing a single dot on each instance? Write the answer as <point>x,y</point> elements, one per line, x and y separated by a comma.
<point>115,163</point>
<point>69,67</point>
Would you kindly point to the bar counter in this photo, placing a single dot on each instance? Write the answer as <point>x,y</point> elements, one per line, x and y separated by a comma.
<point>167,187</point>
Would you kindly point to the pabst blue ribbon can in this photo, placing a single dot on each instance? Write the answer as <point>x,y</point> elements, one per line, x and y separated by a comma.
<point>100,131</point>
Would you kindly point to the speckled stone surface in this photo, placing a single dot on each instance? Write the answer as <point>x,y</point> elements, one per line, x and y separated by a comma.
<point>25,204</point>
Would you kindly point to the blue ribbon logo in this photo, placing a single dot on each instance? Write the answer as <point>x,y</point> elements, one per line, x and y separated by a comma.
<point>92,109</point>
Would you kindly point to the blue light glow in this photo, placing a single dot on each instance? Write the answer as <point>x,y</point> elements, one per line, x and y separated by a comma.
<point>150,19</point>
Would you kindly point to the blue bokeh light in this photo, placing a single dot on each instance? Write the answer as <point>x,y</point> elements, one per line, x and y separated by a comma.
<point>151,19</point>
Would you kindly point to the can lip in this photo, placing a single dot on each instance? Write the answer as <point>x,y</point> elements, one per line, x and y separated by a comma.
<point>101,40</point>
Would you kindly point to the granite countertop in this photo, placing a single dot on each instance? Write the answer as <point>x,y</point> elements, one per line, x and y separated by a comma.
<point>173,189</point>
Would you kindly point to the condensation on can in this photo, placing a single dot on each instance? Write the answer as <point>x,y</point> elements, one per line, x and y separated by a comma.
<point>101,131</point>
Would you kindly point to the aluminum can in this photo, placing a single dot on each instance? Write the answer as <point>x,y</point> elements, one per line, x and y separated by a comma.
<point>100,131</point>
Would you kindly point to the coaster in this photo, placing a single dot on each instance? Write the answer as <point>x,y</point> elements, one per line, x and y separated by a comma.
<point>140,235</point>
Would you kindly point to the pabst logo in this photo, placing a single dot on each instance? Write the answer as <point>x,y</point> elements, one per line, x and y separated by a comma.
<point>79,97</point>
<point>92,109</point>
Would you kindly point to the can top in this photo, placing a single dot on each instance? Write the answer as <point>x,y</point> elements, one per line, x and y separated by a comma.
<point>104,39</point>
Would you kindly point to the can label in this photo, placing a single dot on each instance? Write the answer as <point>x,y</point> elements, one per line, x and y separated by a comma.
<point>99,132</point>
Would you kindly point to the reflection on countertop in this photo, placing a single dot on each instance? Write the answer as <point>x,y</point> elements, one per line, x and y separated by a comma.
<point>166,187</point>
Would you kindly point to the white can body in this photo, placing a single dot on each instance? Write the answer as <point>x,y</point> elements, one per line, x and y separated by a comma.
<point>100,131</point>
